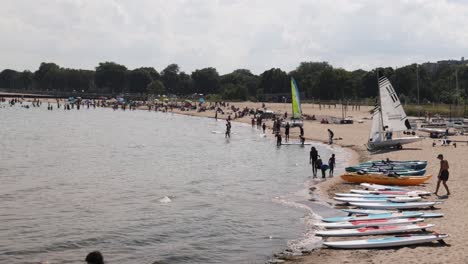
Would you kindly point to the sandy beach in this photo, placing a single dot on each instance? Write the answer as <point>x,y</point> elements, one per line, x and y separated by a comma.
<point>353,137</point>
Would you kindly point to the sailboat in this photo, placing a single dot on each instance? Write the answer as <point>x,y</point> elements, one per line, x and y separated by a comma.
<point>388,118</point>
<point>296,118</point>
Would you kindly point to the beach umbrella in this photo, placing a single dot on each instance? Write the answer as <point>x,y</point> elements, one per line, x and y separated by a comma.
<point>201,100</point>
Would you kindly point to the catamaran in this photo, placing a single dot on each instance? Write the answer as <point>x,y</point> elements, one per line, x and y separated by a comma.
<point>296,118</point>
<point>389,117</point>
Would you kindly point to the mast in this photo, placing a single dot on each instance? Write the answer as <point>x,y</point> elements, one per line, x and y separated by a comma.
<point>382,127</point>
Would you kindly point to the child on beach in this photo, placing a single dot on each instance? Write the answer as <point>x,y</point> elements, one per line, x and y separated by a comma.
<point>331,165</point>
<point>443,174</point>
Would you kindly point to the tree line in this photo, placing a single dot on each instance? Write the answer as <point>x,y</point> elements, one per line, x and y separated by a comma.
<point>429,82</point>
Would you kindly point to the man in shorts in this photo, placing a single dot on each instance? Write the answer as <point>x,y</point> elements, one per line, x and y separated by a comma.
<point>443,174</point>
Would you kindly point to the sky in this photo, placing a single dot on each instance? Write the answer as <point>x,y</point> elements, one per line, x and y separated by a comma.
<point>231,34</point>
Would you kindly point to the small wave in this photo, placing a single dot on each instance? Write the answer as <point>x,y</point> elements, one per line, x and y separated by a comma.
<point>166,199</point>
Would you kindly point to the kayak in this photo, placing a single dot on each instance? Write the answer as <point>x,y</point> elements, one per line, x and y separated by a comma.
<point>371,217</point>
<point>412,164</point>
<point>377,199</point>
<point>410,193</point>
<point>373,230</point>
<point>370,212</point>
<point>383,179</point>
<point>392,241</point>
<point>395,205</point>
<point>374,195</point>
<point>387,171</point>
<point>364,223</point>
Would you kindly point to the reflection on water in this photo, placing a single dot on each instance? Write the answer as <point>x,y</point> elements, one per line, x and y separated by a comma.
<point>142,187</point>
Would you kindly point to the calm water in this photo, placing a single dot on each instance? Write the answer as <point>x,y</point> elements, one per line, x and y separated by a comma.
<point>144,187</point>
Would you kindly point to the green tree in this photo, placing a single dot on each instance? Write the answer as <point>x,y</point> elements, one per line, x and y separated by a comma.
<point>110,77</point>
<point>156,87</point>
<point>170,78</point>
<point>206,81</point>
<point>138,80</point>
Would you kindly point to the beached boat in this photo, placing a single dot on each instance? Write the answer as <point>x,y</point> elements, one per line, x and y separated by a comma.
<point>385,179</point>
<point>388,118</point>
<point>390,171</point>
<point>374,222</point>
<point>373,230</point>
<point>412,164</point>
<point>296,118</point>
<point>392,241</point>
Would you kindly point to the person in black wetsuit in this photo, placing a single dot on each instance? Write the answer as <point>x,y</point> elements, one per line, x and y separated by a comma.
<point>313,160</point>
<point>331,165</point>
<point>286,132</point>
<point>278,139</point>
<point>319,165</point>
<point>301,131</point>
<point>264,128</point>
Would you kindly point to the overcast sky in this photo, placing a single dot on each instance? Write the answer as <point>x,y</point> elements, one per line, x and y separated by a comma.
<point>231,34</point>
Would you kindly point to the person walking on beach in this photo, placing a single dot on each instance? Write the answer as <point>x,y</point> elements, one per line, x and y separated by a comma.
<point>264,128</point>
<point>331,165</point>
<point>443,174</point>
<point>330,136</point>
<point>286,132</point>
<point>313,160</point>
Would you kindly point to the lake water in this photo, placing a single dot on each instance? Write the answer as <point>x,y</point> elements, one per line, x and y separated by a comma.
<point>143,187</point>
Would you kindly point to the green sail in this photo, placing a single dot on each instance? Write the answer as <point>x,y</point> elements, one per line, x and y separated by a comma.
<point>296,102</point>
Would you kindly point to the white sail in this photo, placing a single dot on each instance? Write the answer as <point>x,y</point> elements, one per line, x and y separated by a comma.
<point>393,116</point>
<point>376,129</point>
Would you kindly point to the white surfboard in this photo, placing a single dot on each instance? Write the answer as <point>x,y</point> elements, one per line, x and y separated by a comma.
<point>370,211</point>
<point>364,223</point>
<point>373,230</point>
<point>392,241</point>
<point>377,199</point>
<point>395,205</point>
<point>372,217</point>
<point>410,193</point>
<point>379,187</point>
<point>372,195</point>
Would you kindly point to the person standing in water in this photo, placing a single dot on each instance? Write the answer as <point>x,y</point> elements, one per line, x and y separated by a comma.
<point>331,165</point>
<point>301,131</point>
<point>264,127</point>
<point>228,129</point>
<point>313,160</point>
<point>94,257</point>
<point>443,174</point>
<point>286,132</point>
<point>330,136</point>
<point>278,139</point>
<point>319,165</point>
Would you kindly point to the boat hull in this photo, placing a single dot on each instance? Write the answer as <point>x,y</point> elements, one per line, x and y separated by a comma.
<point>386,180</point>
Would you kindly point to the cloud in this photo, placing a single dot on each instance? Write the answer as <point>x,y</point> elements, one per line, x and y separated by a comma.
<point>231,34</point>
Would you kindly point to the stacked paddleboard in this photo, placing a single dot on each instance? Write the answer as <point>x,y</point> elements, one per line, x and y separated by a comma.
<point>377,211</point>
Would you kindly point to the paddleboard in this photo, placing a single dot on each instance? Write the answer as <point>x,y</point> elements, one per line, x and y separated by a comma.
<point>372,195</point>
<point>296,143</point>
<point>379,187</point>
<point>372,217</point>
<point>392,241</point>
<point>395,205</point>
<point>377,199</point>
<point>376,222</point>
<point>373,230</point>
<point>370,212</point>
<point>410,193</point>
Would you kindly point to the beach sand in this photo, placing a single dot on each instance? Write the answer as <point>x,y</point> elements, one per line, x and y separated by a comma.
<point>353,137</point>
